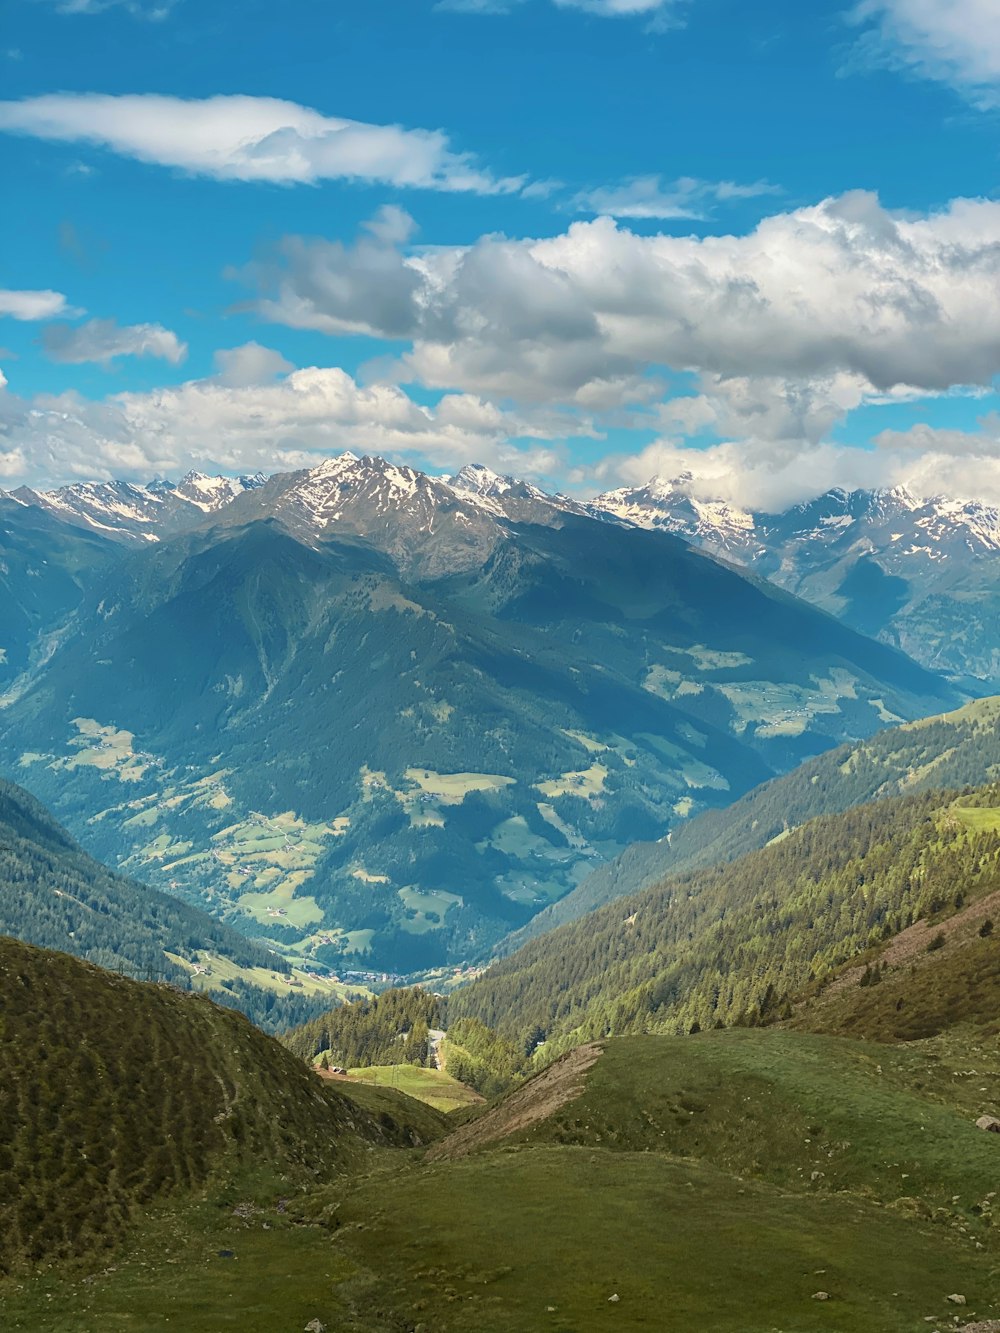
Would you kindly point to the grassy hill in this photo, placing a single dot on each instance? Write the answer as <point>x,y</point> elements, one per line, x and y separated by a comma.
<point>435,1087</point>
<point>732,943</point>
<point>720,1181</point>
<point>56,896</point>
<point>116,1095</point>
<point>955,749</point>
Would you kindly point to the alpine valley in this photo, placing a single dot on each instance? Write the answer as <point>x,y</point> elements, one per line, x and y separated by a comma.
<point>373,721</point>
<point>379,719</point>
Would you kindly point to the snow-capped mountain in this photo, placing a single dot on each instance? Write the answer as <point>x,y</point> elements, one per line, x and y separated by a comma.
<point>436,524</point>
<point>666,505</point>
<point>128,510</point>
<point>920,573</point>
<point>431,525</point>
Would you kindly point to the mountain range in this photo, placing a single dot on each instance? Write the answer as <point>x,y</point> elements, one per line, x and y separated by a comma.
<point>683,1051</point>
<point>921,574</point>
<point>380,719</point>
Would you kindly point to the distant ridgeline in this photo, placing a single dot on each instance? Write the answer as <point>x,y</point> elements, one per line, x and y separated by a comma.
<point>54,895</point>
<point>737,942</point>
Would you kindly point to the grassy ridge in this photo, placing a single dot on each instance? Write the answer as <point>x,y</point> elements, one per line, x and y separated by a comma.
<point>712,1183</point>
<point>114,1095</point>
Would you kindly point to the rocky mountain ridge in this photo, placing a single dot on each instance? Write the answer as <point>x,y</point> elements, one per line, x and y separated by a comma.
<point>920,573</point>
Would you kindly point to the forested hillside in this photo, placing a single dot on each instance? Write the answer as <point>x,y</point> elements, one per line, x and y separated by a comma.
<point>950,750</point>
<point>54,895</point>
<point>390,1029</point>
<point>732,944</point>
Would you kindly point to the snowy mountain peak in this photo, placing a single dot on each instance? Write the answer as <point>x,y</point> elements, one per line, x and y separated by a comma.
<point>210,494</point>
<point>666,504</point>
<point>478,479</point>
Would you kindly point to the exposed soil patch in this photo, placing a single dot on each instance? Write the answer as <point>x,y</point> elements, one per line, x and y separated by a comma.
<point>909,947</point>
<point>538,1099</point>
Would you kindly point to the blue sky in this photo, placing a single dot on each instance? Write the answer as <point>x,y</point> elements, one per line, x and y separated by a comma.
<point>586,241</point>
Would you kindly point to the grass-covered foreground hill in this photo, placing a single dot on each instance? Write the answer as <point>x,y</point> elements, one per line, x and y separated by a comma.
<point>115,1096</point>
<point>731,1182</point>
<point>54,895</point>
<point>955,749</point>
<point>735,942</point>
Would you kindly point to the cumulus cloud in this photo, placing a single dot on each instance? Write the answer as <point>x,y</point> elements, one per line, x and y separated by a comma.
<point>845,288</point>
<point>366,288</point>
<point>102,340</point>
<point>242,367</point>
<point>250,139</point>
<point>653,197</point>
<point>952,41</point>
<point>289,422</point>
<point>770,476</point>
<point>32,305</point>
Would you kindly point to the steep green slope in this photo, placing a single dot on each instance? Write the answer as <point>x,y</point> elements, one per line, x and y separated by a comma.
<point>54,895</point>
<point>731,943</point>
<point>950,750</point>
<point>391,771</point>
<point>46,569</point>
<point>115,1094</point>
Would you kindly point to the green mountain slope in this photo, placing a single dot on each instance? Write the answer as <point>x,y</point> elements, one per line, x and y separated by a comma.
<point>950,750</point>
<point>394,772</point>
<point>54,895</point>
<point>46,569</point>
<point>731,943</point>
<point>114,1095</point>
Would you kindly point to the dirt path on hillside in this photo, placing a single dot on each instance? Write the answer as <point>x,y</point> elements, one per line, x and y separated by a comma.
<point>533,1102</point>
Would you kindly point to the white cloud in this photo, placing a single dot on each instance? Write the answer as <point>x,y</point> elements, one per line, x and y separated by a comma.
<point>952,41</point>
<point>102,340</point>
<point>620,8</point>
<point>653,197</point>
<point>768,476</point>
<point>365,288</point>
<point>842,289</point>
<point>210,424</point>
<point>242,367</point>
<point>250,139</point>
<point>30,305</point>
<point>155,12</point>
